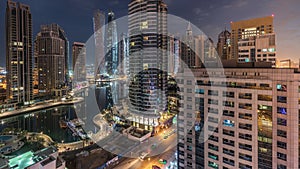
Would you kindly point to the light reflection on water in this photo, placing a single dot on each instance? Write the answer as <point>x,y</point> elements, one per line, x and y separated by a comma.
<point>47,121</point>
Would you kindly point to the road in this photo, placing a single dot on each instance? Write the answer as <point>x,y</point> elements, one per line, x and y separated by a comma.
<point>165,149</point>
<point>136,163</point>
<point>122,145</point>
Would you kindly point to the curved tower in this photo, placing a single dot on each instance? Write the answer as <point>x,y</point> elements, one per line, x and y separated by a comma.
<point>148,61</point>
<point>51,46</point>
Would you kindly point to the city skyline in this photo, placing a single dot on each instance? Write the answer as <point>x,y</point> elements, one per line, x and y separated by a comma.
<point>211,17</point>
<point>139,84</point>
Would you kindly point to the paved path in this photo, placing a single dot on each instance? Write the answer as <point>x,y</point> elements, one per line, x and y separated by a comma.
<point>38,107</point>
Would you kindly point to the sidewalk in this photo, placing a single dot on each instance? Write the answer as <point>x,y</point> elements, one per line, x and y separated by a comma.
<point>39,107</point>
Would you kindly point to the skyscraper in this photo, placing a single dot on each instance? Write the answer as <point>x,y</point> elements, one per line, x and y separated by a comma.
<point>224,45</point>
<point>209,50</point>
<point>148,61</point>
<point>111,55</point>
<point>174,53</point>
<point>188,49</point>
<point>63,36</point>
<point>196,49</point>
<point>51,51</point>
<point>79,61</point>
<point>123,55</point>
<point>19,57</point>
<point>99,32</point>
<point>253,40</point>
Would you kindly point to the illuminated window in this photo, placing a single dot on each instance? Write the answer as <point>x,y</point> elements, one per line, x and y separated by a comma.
<point>271,49</point>
<point>146,38</point>
<point>228,123</point>
<point>281,110</point>
<point>263,150</point>
<point>144,25</point>
<point>146,66</point>
<point>281,87</point>
<point>201,91</point>
<point>213,156</point>
<point>213,165</point>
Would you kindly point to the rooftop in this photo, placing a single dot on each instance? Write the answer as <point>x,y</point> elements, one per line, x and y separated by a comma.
<point>30,158</point>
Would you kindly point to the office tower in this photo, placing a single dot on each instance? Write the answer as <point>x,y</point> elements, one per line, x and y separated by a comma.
<point>196,49</point>
<point>209,50</point>
<point>200,48</point>
<point>224,45</point>
<point>174,54</point>
<point>79,61</point>
<point>51,53</point>
<point>99,31</point>
<point>148,62</point>
<point>177,54</point>
<point>111,55</point>
<point>253,40</point>
<point>19,52</point>
<point>189,55</point>
<point>123,55</point>
<point>260,48</point>
<point>251,118</point>
<point>171,55</point>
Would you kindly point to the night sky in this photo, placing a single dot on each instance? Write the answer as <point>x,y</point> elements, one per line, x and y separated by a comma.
<point>211,16</point>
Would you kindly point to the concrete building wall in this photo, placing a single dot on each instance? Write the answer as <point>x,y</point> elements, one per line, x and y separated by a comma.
<point>252,109</point>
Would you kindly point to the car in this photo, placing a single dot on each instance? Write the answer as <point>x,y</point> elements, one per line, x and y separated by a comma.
<point>165,137</point>
<point>155,167</point>
<point>162,161</point>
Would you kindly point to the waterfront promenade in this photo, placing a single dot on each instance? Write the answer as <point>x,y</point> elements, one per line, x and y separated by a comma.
<point>39,107</point>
